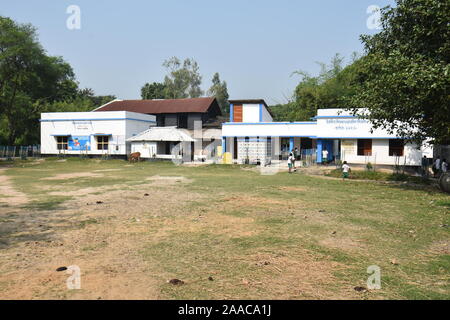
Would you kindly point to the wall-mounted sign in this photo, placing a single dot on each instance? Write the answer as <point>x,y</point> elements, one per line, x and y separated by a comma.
<point>78,143</point>
<point>346,124</point>
<point>82,125</point>
<point>348,146</point>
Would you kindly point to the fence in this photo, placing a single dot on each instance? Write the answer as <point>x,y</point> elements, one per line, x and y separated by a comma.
<point>22,152</point>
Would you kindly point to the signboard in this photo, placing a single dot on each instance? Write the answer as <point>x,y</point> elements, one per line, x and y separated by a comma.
<point>78,143</point>
<point>348,147</point>
<point>82,125</point>
<point>347,124</point>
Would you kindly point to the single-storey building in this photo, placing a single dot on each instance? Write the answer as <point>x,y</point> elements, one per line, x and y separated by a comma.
<point>91,133</point>
<point>153,143</point>
<point>251,136</point>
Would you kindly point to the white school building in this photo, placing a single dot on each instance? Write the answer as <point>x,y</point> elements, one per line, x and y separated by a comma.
<point>249,135</point>
<point>91,133</point>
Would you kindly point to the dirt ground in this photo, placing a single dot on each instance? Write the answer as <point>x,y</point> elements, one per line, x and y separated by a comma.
<point>103,239</point>
<point>130,239</point>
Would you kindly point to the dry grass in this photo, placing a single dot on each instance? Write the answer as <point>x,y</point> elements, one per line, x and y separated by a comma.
<point>279,237</point>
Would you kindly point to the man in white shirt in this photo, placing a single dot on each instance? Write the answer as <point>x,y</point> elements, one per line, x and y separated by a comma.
<point>325,156</point>
<point>345,170</point>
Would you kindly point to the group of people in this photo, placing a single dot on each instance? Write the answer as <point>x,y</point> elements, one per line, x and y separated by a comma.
<point>439,166</point>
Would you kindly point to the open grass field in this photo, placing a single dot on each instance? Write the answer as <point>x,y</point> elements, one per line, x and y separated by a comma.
<point>226,231</point>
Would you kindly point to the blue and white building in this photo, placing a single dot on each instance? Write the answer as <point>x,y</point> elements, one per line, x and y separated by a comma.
<point>249,136</point>
<point>252,136</point>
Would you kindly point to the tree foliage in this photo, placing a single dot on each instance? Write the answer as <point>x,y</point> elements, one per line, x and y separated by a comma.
<point>183,79</point>
<point>32,82</point>
<point>155,90</point>
<point>331,88</point>
<point>405,78</point>
<point>220,92</point>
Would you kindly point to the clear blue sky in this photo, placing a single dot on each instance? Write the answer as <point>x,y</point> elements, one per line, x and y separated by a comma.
<point>255,45</point>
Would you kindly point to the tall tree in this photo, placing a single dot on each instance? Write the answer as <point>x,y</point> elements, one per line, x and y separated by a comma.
<point>331,88</point>
<point>26,75</point>
<point>405,78</point>
<point>155,90</point>
<point>183,79</point>
<point>220,92</point>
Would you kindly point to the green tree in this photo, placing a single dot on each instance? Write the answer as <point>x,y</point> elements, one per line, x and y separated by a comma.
<point>155,90</point>
<point>220,92</point>
<point>331,88</point>
<point>183,79</point>
<point>26,75</point>
<point>404,79</point>
<point>31,82</point>
<point>89,94</point>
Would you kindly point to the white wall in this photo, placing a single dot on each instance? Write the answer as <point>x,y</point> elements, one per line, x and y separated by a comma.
<point>120,125</point>
<point>146,148</point>
<point>274,129</point>
<point>266,117</point>
<point>380,153</point>
<point>250,113</point>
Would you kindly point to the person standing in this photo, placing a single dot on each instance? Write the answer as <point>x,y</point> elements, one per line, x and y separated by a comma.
<point>325,156</point>
<point>437,166</point>
<point>294,157</point>
<point>290,162</point>
<point>424,166</point>
<point>444,166</point>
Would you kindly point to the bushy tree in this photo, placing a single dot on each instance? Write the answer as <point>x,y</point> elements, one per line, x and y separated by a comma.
<point>32,82</point>
<point>220,92</point>
<point>26,75</point>
<point>183,79</point>
<point>331,88</point>
<point>155,90</point>
<point>404,79</point>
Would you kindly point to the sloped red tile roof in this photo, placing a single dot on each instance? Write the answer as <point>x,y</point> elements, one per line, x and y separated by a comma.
<point>195,105</point>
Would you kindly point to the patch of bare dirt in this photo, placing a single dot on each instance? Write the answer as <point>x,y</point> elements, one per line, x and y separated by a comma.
<point>64,176</point>
<point>246,201</point>
<point>107,170</point>
<point>289,188</point>
<point>13,197</point>
<point>440,247</point>
<point>168,180</point>
<point>343,243</point>
<point>298,276</point>
<point>104,239</point>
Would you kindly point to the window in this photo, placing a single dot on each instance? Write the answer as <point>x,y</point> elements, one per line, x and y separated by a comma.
<point>364,147</point>
<point>183,121</point>
<point>396,147</point>
<point>102,142</point>
<point>160,120</point>
<point>62,143</point>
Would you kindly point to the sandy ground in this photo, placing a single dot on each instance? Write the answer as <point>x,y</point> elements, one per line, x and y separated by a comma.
<point>13,197</point>
<point>103,239</point>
